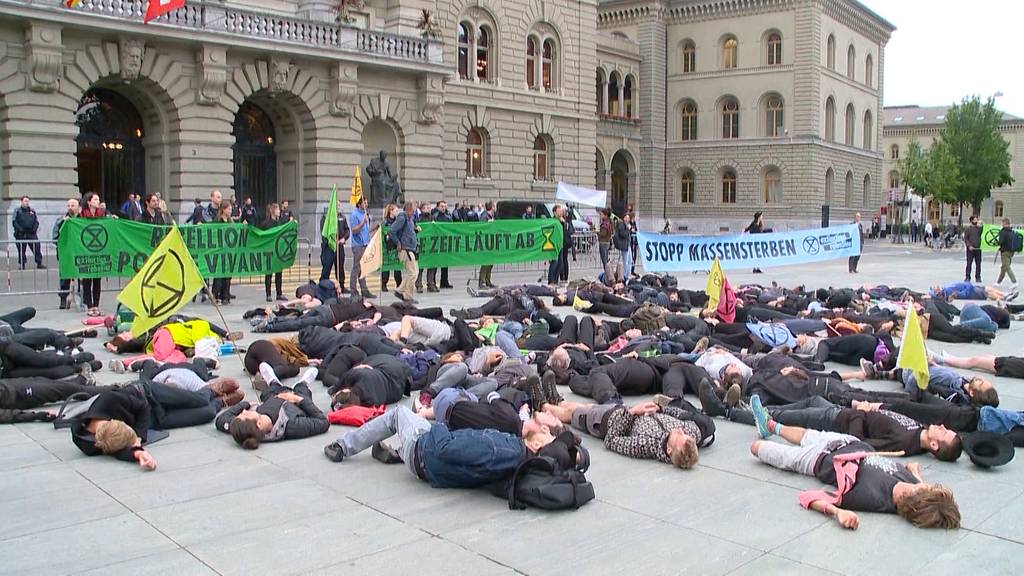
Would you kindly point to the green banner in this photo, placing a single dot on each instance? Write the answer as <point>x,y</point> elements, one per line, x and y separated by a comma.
<point>108,247</point>
<point>454,244</point>
<point>990,237</point>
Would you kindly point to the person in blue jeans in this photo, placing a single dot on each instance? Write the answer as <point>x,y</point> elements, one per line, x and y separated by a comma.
<point>973,316</point>
<point>445,458</point>
<point>942,382</point>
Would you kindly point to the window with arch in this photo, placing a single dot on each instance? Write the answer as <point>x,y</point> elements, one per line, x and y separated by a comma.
<point>464,41</point>
<point>894,152</point>
<point>774,47</point>
<point>531,63</point>
<point>869,71</point>
<point>849,189</point>
<point>547,69</point>
<point>774,124</point>
<point>542,150</point>
<point>772,189</point>
<point>730,118</point>
<point>687,190</point>
<point>613,94</point>
<point>866,200</point>
<point>830,119</point>
<point>997,209</point>
<point>689,56</point>
<point>851,122</point>
<point>688,115</point>
<point>627,97</point>
<point>894,180</point>
<point>730,49</point>
<point>830,52</point>
<point>851,62</point>
<point>483,52</point>
<point>869,128</point>
<point>476,154</point>
<point>728,186</point>
<point>830,177</point>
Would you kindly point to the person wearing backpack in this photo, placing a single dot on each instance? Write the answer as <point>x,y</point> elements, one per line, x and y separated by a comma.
<point>403,234</point>
<point>445,458</point>
<point>1009,243</point>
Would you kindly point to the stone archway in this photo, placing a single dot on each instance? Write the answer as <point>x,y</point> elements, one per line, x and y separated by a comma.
<point>110,150</point>
<point>622,172</point>
<point>379,136</point>
<point>253,154</point>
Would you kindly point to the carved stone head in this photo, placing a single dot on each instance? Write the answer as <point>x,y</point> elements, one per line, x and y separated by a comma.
<point>132,51</point>
<point>279,71</point>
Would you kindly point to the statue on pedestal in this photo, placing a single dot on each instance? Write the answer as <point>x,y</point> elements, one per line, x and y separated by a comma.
<point>384,186</point>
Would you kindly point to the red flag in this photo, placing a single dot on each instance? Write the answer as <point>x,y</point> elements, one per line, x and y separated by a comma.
<point>158,8</point>
<point>726,310</point>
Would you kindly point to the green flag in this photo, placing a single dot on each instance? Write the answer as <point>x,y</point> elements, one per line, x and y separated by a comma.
<point>330,230</point>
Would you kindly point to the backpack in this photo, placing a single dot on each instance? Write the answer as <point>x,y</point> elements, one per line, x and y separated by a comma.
<point>1017,245</point>
<point>537,328</point>
<point>648,318</point>
<point>540,482</point>
<point>326,290</point>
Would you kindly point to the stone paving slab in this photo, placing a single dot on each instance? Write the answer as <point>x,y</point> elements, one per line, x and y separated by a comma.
<point>212,508</point>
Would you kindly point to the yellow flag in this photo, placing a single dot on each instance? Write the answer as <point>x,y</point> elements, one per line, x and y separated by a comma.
<point>357,189</point>
<point>163,285</point>
<point>913,355</point>
<point>373,257</point>
<point>716,278</point>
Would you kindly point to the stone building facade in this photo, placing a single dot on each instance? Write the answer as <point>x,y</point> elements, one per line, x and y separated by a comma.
<point>744,106</point>
<point>902,124</point>
<point>471,99</point>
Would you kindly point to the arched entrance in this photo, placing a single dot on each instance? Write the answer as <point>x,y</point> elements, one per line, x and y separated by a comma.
<point>599,170</point>
<point>111,157</point>
<point>255,161</point>
<point>379,136</point>
<point>621,173</point>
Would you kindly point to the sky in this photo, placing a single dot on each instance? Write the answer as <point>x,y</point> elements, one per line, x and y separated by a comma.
<point>943,50</point>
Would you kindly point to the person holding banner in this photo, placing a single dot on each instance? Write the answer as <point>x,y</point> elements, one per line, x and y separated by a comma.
<point>485,271</point>
<point>855,260</point>
<point>274,218</point>
<point>360,224</point>
<point>333,253</point>
<point>92,287</point>
<point>222,286</point>
<point>440,214</point>
<point>390,215</point>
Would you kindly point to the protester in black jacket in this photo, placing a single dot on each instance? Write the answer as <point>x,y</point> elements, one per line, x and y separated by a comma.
<point>272,219</point>
<point>285,413</point>
<point>356,379</point>
<point>197,213</point>
<point>1006,244</point>
<point>332,253</point>
<point>440,214</point>
<point>26,228</point>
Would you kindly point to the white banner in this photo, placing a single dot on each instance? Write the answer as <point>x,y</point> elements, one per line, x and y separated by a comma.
<point>581,195</point>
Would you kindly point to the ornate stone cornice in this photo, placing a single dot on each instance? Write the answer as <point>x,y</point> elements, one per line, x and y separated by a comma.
<point>213,73</point>
<point>43,45</point>
<point>344,89</point>
<point>430,97</point>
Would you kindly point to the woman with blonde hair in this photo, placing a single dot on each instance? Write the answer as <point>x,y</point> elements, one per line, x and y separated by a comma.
<point>390,214</point>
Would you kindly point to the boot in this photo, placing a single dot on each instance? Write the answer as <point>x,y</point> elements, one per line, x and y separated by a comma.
<point>710,403</point>
<point>531,385</point>
<point>550,389</point>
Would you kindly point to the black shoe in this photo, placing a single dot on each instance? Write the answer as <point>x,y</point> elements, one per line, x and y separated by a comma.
<point>40,266</point>
<point>457,314</point>
<point>550,389</point>
<point>282,298</point>
<point>384,453</point>
<point>433,289</point>
<point>269,299</point>
<point>710,403</point>
<point>369,295</point>
<point>449,286</point>
<point>334,452</point>
<point>399,295</point>
<point>531,385</point>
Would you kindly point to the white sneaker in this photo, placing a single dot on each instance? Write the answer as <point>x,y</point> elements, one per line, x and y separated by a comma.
<point>308,376</point>
<point>269,376</point>
<point>116,366</point>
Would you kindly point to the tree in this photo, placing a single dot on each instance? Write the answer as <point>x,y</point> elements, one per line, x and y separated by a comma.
<point>942,177</point>
<point>971,135</point>
<point>913,169</point>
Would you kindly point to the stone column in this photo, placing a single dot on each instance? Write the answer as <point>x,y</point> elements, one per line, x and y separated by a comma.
<point>651,103</point>
<point>604,96</point>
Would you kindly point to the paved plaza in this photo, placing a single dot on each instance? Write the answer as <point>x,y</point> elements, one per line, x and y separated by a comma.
<point>213,508</point>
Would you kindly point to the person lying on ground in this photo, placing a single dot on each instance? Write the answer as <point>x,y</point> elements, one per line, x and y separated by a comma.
<point>969,291</point>
<point>510,413</point>
<point>445,458</point>
<point>285,412</point>
<point>1009,423</point>
<point>32,392</point>
<point>20,361</point>
<point>193,376</point>
<point>1004,366</point>
<point>942,382</point>
<point>884,430</point>
<point>282,354</point>
<point>330,314</point>
<point>355,379</point>
<point>866,482</point>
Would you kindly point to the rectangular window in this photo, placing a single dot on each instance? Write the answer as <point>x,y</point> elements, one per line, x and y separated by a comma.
<point>686,197</point>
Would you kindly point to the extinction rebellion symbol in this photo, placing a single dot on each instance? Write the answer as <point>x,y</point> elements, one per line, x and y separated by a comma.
<point>811,245</point>
<point>992,237</point>
<point>163,285</point>
<point>285,246</point>
<point>94,237</point>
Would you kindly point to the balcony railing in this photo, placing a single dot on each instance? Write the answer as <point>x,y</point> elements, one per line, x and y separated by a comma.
<point>217,18</point>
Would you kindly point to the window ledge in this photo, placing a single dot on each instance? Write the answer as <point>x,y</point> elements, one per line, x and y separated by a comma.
<point>543,185</point>
<point>480,183</point>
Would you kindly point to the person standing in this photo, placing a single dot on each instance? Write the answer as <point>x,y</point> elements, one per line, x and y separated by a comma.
<point>152,214</point>
<point>359,223</point>
<point>273,218</point>
<point>91,287</point>
<point>333,253</point>
<point>222,286</point>
<point>424,214</point>
<point>529,215</point>
<point>65,283</point>
<point>485,271</point>
<point>26,230</point>
<point>928,232</point>
<point>286,211</point>
<point>972,239</point>
<point>403,234</point>
<point>248,214</point>
<point>197,213</point>
<point>756,226</point>
<point>390,214</point>
<point>441,214</point>
<point>210,212</point>
<point>555,265</point>
<point>855,260</point>
<point>605,231</point>
<point>568,245</point>
<point>1008,241</point>
<point>623,242</point>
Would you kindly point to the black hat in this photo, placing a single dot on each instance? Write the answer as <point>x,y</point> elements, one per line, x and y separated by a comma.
<point>987,449</point>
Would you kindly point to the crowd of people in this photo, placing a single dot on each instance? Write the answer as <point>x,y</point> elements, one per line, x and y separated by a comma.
<point>487,383</point>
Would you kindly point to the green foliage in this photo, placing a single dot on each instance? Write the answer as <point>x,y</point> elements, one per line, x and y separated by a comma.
<point>972,139</point>
<point>913,168</point>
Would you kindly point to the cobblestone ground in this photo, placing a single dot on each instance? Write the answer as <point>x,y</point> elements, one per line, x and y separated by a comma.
<point>212,508</point>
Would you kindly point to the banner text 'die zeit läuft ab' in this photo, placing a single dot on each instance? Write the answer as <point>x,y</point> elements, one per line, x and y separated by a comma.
<point>454,244</point>
<point>669,253</point>
<point>107,248</point>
